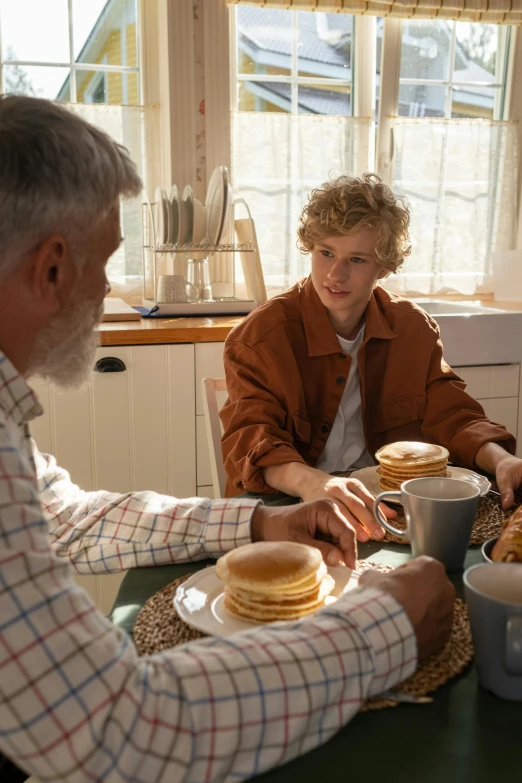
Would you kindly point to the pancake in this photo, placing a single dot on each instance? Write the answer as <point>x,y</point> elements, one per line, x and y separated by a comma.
<point>405,460</point>
<point>271,581</point>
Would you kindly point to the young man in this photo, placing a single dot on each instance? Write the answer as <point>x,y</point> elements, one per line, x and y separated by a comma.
<point>322,376</point>
<point>76,702</point>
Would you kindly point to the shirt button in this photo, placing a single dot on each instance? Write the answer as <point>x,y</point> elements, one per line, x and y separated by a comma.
<point>342,356</point>
<point>325,428</point>
<point>340,380</point>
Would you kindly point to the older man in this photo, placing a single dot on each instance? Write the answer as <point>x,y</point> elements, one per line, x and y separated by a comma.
<point>76,703</point>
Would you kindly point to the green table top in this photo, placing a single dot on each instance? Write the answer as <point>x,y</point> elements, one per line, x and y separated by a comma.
<point>466,735</point>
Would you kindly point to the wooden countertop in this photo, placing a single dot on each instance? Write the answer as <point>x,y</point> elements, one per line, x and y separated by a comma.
<point>150,331</point>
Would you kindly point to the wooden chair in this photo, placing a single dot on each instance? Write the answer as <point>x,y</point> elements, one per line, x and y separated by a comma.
<point>210,388</point>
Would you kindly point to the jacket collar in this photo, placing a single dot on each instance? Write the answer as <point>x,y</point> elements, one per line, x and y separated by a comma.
<point>320,334</point>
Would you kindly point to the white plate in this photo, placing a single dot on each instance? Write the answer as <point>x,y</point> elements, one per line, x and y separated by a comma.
<point>200,222</point>
<point>370,478</point>
<point>200,601</point>
<point>186,217</point>
<point>217,203</point>
<point>161,216</point>
<point>174,209</point>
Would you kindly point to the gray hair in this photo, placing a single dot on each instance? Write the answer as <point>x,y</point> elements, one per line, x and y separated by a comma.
<point>58,174</point>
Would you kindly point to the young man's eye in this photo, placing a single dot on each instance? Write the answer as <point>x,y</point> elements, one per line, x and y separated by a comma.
<point>327,253</point>
<point>357,260</point>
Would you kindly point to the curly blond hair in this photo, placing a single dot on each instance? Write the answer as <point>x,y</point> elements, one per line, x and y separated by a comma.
<point>346,205</point>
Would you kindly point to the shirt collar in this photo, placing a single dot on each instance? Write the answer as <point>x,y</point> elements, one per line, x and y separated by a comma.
<point>320,334</point>
<point>16,398</point>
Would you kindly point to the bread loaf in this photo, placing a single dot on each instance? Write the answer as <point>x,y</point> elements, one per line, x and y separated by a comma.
<point>508,548</point>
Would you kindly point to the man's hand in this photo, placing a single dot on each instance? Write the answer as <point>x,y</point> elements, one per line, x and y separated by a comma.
<point>318,524</point>
<point>423,589</point>
<point>507,469</point>
<point>355,502</point>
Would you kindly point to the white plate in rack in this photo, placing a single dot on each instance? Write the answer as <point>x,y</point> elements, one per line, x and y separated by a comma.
<point>200,601</point>
<point>371,479</point>
<point>174,211</point>
<point>186,217</point>
<point>217,203</point>
<point>162,219</point>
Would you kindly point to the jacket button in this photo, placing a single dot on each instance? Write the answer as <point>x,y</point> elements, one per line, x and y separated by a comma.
<point>340,380</point>
<point>325,428</point>
<point>342,356</point>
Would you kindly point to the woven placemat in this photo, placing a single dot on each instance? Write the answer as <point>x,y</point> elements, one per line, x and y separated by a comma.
<point>488,522</point>
<point>158,627</point>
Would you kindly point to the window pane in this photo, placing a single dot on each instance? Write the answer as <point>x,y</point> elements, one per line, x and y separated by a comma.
<point>476,52</point>
<point>264,96</point>
<point>35,30</point>
<point>324,100</point>
<point>105,32</point>
<point>325,45</point>
<point>107,87</point>
<point>39,81</point>
<point>425,49</point>
<point>422,100</point>
<point>475,101</point>
<point>264,41</point>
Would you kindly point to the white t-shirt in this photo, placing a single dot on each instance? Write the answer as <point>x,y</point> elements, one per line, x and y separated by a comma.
<point>346,446</point>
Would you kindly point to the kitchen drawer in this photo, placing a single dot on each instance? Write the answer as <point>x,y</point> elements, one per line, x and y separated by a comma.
<point>491,381</point>
<point>209,364</point>
<point>503,410</point>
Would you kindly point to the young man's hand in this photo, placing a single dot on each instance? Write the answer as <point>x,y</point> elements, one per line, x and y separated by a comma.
<point>423,589</point>
<point>350,496</point>
<point>354,501</point>
<point>318,524</point>
<point>507,470</point>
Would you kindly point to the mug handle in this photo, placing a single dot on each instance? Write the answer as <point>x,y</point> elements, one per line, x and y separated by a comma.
<point>396,497</point>
<point>514,646</point>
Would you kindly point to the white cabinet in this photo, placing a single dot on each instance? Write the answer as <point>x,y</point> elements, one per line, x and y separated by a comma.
<point>497,388</point>
<point>124,431</point>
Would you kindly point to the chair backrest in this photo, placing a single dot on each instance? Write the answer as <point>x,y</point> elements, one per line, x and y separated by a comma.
<point>210,388</point>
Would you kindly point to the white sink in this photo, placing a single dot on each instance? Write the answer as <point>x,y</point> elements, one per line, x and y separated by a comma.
<point>472,334</point>
<point>440,307</point>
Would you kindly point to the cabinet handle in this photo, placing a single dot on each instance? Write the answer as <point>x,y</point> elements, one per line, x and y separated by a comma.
<point>109,364</point>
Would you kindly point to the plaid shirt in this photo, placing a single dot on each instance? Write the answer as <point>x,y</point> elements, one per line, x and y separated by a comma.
<point>76,702</point>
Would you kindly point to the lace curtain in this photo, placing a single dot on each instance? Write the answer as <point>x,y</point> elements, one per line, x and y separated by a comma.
<point>460,179</point>
<point>277,159</point>
<point>135,127</point>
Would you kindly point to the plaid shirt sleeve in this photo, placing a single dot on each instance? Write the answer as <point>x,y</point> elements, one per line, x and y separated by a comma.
<point>78,705</point>
<point>101,532</point>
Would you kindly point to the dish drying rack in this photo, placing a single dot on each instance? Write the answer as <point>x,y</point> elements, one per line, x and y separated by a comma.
<point>154,254</point>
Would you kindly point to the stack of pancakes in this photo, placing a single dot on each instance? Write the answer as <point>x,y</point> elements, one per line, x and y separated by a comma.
<point>269,581</point>
<point>407,460</point>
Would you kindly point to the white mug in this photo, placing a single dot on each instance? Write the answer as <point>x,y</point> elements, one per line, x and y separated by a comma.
<point>173,288</point>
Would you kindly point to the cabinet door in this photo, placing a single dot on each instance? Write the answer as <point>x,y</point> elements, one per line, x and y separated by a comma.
<point>494,381</point>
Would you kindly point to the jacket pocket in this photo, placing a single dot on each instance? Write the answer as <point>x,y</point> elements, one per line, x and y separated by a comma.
<point>398,412</point>
<point>301,427</point>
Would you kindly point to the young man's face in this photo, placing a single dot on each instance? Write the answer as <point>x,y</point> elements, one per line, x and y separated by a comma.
<point>344,272</point>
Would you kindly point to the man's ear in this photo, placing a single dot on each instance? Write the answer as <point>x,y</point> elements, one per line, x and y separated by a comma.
<point>383,274</point>
<point>52,273</point>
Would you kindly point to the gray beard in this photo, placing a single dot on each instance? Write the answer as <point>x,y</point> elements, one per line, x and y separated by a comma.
<point>65,350</point>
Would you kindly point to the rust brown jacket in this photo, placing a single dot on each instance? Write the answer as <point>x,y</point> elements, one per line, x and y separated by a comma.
<point>286,372</point>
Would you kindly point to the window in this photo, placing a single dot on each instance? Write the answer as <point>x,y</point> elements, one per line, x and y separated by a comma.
<point>86,54</point>
<point>438,111</point>
<point>65,49</point>
<point>294,122</point>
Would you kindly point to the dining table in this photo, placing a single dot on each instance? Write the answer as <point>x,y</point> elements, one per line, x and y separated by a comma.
<point>465,735</point>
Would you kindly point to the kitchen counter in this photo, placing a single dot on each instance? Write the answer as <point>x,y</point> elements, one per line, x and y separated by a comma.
<point>156,331</point>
